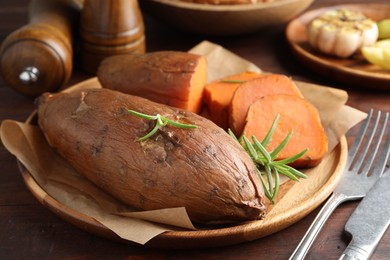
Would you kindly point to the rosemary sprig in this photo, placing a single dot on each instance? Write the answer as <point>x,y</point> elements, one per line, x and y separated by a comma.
<point>160,122</point>
<point>232,81</point>
<point>265,161</point>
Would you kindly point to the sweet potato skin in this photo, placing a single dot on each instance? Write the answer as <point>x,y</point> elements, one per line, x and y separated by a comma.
<point>169,77</point>
<point>202,169</point>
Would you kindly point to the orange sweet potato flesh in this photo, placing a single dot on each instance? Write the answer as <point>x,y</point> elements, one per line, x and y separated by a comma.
<point>169,77</point>
<point>218,95</point>
<point>202,169</point>
<point>250,91</point>
<point>297,115</point>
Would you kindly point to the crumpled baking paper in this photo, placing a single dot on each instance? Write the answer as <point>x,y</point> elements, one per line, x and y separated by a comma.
<point>72,190</point>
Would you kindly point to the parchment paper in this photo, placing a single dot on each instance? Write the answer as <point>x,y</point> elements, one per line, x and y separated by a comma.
<point>69,188</point>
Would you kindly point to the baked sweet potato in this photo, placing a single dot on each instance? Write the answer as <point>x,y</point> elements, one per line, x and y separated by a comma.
<point>250,91</point>
<point>169,77</point>
<point>219,93</point>
<point>203,169</point>
<point>298,116</point>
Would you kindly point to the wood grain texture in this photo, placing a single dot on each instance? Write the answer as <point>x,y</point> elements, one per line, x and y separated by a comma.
<point>48,34</point>
<point>110,28</point>
<point>353,70</point>
<point>232,20</point>
<point>29,230</point>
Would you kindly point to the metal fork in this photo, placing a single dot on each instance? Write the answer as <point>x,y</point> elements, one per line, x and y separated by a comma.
<point>354,183</point>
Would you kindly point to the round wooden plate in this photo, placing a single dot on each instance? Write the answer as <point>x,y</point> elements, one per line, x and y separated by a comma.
<point>352,71</point>
<point>295,200</point>
<point>223,20</point>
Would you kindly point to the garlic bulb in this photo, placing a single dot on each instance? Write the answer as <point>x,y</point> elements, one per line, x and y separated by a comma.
<point>341,32</point>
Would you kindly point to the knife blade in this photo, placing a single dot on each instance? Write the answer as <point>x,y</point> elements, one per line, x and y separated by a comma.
<point>369,221</point>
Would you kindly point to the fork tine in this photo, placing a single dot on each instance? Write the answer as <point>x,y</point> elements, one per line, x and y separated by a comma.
<point>382,160</point>
<point>384,157</point>
<point>363,153</point>
<point>358,140</point>
<point>353,186</point>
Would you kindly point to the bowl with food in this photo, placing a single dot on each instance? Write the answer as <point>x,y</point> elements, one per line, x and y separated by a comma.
<point>223,18</point>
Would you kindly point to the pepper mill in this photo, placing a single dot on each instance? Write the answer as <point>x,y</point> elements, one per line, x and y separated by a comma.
<point>109,27</point>
<point>38,57</point>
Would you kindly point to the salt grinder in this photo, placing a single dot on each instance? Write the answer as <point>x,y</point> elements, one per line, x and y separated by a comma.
<point>109,27</point>
<point>38,57</point>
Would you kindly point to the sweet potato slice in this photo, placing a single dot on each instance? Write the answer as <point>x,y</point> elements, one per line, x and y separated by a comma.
<point>202,169</point>
<point>169,77</point>
<point>218,95</point>
<point>250,91</point>
<point>297,115</point>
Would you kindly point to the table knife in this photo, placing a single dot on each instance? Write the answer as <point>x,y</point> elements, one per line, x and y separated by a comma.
<point>369,221</point>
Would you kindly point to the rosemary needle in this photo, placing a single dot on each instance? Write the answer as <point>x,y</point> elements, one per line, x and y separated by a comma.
<point>265,161</point>
<point>232,81</point>
<point>160,122</point>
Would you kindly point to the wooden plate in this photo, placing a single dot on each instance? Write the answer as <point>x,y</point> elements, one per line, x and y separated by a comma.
<point>295,200</point>
<point>223,20</point>
<point>353,71</point>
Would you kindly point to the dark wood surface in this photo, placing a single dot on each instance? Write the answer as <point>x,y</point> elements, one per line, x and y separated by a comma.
<point>30,231</point>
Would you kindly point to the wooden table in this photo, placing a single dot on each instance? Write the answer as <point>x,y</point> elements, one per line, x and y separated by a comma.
<point>30,231</point>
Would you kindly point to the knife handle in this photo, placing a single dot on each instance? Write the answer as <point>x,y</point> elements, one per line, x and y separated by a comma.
<point>354,252</point>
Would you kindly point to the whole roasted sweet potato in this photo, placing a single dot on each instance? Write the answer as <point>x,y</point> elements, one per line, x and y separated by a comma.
<point>173,78</point>
<point>201,169</point>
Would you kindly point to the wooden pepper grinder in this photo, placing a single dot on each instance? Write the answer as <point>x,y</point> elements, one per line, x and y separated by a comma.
<point>110,27</point>
<point>38,57</point>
